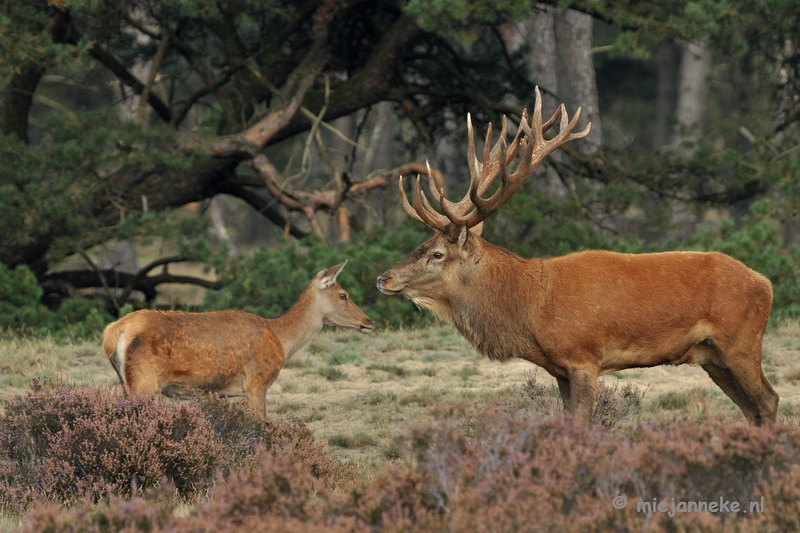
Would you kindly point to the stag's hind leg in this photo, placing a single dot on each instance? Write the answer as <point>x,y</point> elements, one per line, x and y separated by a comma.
<point>746,384</point>
<point>563,388</point>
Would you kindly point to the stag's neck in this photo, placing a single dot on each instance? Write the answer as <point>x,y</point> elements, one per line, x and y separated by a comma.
<point>298,324</point>
<point>498,315</point>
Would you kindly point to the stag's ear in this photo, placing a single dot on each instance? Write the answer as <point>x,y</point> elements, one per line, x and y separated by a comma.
<point>464,245</point>
<point>477,229</point>
<point>327,277</point>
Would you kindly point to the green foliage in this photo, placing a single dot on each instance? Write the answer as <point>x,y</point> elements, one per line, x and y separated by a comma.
<point>19,300</point>
<point>453,16</point>
<point>539,225</point>
<point>22,41</point>
<point>22,312</point>
<point>47,192</point>
<point>270,281</point>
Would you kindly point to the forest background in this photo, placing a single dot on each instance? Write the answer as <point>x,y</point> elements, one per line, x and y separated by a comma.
<point>239,147</point>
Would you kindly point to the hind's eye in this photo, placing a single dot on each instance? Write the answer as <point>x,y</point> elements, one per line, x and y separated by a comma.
<point>343,296</point>
<point>438,255</point>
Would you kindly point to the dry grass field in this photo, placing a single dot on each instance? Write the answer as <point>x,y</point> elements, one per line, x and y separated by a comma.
<point>358,392</point>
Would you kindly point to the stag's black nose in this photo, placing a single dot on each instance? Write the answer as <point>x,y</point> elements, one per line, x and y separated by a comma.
<point>381,280</point>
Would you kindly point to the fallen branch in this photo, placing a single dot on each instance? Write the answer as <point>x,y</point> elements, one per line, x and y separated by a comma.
<point>66,282</point>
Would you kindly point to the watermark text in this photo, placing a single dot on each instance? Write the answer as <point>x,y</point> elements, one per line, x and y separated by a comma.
<point>672,507</point>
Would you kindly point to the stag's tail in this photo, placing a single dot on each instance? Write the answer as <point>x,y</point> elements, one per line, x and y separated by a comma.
<point>114,346</point>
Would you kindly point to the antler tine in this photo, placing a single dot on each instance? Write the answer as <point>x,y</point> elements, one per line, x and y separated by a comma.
<point>497,160</point>
<point>472,159</point>
<point>522,130</point>
<point>562,111</point>
<point>536,119</point>
<point>565,130</point>
<point>429,217</point>
<point>479,202</point>
<point>478,174</point>
<point>432,185</point>
<point>407,206</point>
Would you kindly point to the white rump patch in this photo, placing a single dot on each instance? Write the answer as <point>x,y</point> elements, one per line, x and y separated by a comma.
<point>120,354</point>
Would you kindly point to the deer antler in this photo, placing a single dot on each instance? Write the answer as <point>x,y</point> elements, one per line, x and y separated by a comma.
<point>529,143</point>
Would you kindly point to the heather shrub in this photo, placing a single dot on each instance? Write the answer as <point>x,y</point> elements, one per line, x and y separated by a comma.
<point>61,442</point>
<point>490,468</point>
<point>243,434</point>
<point>156,513</point>
<point>498,470</point>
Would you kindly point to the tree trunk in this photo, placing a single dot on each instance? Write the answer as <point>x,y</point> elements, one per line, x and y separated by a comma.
<point>16,100</point>
<point>692,98</point>
<point>538,31</point>
<point>666,93</point>
<point>574,34</point>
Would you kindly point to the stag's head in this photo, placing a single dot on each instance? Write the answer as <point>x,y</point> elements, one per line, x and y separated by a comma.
<point>335,305</point>
<point>445,264</point>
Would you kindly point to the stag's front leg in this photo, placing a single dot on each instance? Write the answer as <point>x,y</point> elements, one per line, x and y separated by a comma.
<point>582,388</point>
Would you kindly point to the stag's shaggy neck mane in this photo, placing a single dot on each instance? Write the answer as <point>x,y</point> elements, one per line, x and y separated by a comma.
<point>295,327</point>
<point>491,311</point>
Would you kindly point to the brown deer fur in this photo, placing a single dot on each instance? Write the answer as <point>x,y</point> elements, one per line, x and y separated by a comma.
<point>587,313</point>
<point>224,351</point>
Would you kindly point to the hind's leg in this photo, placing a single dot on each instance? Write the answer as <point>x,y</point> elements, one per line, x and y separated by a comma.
<point>256,385</point>
<point>142,381</point>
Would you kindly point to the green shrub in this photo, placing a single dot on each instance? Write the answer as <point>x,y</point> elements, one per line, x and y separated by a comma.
<point>19,300</point>
<point>270,280</point>
<point>539,225</point>
<point>22,312</point>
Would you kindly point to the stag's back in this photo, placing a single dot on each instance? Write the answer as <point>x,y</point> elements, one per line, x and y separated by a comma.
<point>668,288</point>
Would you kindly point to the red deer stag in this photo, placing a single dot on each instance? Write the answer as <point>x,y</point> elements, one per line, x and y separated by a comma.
<point>225,351</point>
<point>587,313</point>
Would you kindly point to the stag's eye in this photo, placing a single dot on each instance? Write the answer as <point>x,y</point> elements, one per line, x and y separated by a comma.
<point>343,296</point>
<point>438,255</point>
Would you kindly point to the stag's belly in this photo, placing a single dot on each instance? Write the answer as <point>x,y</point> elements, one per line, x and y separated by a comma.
<point>695,353</point>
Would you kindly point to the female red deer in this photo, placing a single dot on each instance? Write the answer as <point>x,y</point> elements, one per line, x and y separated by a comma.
<point>587,313</point>
<point>225,351</point>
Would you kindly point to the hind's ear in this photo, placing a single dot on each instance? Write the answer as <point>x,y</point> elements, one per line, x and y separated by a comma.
<point>327,277</point>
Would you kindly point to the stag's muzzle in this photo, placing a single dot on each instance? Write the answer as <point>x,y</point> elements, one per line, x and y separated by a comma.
<point>384,284</point>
